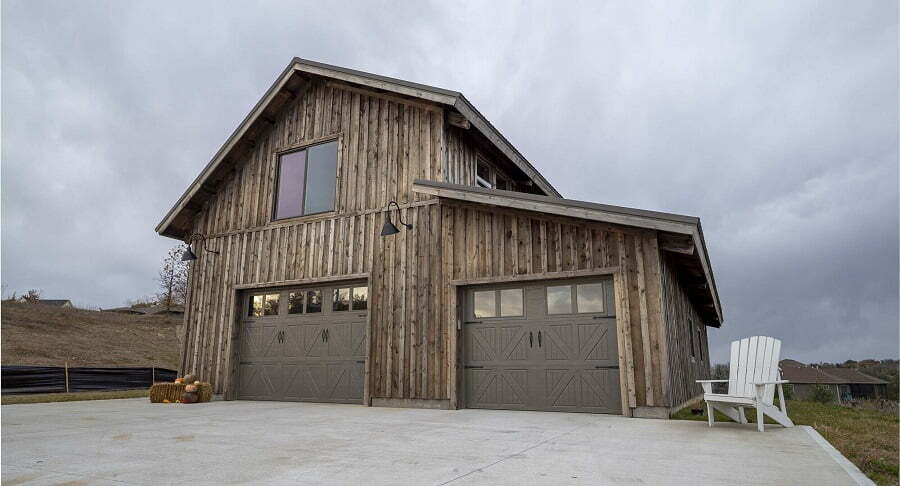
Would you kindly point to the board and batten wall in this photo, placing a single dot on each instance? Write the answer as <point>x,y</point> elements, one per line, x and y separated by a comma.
<point>384,143</point>
<point>682,329</point>
<point>414,276</point>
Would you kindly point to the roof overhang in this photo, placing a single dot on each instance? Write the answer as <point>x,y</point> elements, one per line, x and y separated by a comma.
<point>286,87</point>
<point>674,226</point>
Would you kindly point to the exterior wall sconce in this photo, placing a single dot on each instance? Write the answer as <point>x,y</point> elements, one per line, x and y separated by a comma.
<point>189,254</point>
<point>389,228</point>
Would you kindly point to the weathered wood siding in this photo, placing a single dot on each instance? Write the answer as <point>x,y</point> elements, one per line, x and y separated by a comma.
<point>383,146</point>
<point>682,325</point>
<point>481,242</point>
<point>462,156</point>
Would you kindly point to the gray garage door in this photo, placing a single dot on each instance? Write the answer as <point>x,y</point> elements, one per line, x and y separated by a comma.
<point>542,346</point>
<point>304,344</point>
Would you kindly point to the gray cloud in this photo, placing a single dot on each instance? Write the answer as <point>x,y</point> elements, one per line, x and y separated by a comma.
<point>777,123</point>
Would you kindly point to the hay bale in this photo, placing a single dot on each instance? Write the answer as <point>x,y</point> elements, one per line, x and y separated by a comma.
<point>174,391</point>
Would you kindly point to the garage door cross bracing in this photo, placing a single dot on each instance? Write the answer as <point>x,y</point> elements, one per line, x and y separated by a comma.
<point>305,344</point>
<point>542,346</point>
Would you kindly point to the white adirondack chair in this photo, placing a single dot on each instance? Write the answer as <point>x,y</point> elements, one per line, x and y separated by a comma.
<point>753,375</point>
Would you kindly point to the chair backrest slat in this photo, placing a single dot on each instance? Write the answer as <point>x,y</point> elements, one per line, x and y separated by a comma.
<point>732,366</point>
<point>753,360</point>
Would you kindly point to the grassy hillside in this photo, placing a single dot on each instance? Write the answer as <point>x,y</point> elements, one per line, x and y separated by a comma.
<point>40,335</point>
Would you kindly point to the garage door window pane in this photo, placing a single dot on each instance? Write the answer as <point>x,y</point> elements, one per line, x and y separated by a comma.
<point>341,300</point>
<point>270,307</point>
<point>360,298</point>
<point>511,303</point>
<point>313,301</point>
<point>559,300</point>
<point>295,303</point>
<point>590,297</point>
<point>256,305</point>
<point>486,304</point>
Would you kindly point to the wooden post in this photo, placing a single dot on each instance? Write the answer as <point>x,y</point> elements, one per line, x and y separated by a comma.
<point>67,376</point>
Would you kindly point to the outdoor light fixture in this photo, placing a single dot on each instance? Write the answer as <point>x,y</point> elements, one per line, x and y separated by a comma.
<point>189,254</point>
<point>389,228</point>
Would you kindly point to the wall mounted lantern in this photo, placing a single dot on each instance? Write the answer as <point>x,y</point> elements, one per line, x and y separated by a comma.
<point>389,228</point>
<point>189,254</point>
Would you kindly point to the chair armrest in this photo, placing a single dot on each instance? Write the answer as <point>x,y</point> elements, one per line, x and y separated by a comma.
<point>712,381</point>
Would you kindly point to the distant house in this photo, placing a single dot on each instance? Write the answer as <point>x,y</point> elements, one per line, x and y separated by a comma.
<point>56,302</point>
<point>848,383</point>
<point>176,310</point>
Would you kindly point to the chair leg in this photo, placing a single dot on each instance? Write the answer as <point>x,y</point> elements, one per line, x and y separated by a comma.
<point>741,414</point>
<point>759,418</point>
<point>710,413</point>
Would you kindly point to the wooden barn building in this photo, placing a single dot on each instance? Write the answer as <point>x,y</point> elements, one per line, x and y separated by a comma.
<point>499,294</point>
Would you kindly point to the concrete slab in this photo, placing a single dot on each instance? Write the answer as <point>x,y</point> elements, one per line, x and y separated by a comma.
<point>133,442</point>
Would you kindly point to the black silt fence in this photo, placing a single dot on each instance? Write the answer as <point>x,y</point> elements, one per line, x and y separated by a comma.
<point>52,379</point>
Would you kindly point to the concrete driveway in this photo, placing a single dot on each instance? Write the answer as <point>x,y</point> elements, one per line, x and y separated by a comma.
<point>134,442</point>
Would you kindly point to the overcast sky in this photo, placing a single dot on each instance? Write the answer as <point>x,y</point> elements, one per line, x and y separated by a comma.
<point>776,123</point>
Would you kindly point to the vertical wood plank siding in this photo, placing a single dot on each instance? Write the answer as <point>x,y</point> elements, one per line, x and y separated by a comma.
<point>384,145</point>
<point>680,313</point>
<point>482,242</point>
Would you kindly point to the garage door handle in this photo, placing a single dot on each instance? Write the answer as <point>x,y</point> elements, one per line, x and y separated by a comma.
<point>606,367</point>
<point>474,367</point>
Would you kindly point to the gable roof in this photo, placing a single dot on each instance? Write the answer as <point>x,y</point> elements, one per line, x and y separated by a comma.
<point>852,375</point>
<point>55,302</point>
<point>285,87</point>
<point>694,252</point>
<point>797,372</point>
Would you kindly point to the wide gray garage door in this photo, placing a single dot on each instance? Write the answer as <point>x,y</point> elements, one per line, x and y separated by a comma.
<point>304,344</point>
<point>542,346</point>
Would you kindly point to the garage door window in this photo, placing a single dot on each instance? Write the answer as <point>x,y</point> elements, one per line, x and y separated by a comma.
<point>559,299</point>
<point>341,301</point>
<point>590,297</point>
<point>313,301</point>
<point>486,303</point>
<point>295,303</point>
<point>263,305</point>
<point>350,298</point>
<point>360,298</point>
<point>511,303</point>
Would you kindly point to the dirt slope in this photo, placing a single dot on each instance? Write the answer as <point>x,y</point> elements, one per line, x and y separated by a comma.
<point>33,334</point>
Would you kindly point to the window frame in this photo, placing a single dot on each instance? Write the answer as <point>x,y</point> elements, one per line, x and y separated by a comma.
<point>470,313</point>
<point>305,146</point>
<point>481,182</point>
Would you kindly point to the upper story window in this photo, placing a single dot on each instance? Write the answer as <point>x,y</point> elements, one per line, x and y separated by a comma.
<point>306,180</point>
<point>483,175</point>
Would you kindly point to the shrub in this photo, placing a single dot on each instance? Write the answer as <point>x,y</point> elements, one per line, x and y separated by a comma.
<point>823,394</point>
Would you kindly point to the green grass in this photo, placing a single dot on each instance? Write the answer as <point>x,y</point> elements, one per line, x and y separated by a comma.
<point>868,438</point>
<point>71,397</point>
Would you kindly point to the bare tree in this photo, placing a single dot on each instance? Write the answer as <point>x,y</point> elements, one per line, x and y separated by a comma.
<point>172,279</point>
<point>32,296</point>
